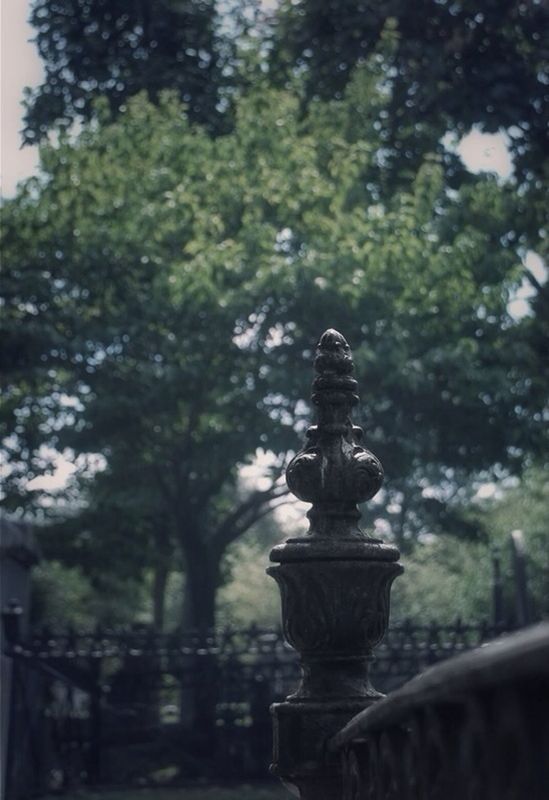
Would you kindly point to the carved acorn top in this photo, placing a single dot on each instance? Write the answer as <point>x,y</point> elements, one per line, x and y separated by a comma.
<point>334,385</point>
<point>334,472</point>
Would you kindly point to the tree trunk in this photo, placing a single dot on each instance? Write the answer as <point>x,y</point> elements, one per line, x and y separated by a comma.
<point>160,580</point>
<point>200,687</point>
<point>202,579</point>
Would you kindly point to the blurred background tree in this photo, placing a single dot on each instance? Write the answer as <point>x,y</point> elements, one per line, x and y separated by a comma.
<point>115,50</point>
<point>164,288</point>
<point>449,66</point>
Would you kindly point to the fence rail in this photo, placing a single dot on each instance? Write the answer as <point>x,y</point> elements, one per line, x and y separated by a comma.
<point>252,641</point>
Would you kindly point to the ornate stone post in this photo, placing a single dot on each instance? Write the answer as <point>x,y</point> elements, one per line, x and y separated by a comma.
<point>334,582</point>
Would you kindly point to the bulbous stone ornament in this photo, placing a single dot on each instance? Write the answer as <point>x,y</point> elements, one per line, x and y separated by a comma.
<point>334,581</point>
<point>334,472</point>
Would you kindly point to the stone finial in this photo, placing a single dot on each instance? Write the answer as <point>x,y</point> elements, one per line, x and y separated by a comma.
<point>334,472</point>
<point>334,582</point>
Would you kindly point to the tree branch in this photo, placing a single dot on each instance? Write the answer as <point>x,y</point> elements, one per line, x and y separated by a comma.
<point>250,511</point>
<point>534,281</point>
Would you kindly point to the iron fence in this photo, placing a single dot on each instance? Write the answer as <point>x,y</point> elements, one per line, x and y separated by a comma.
<point>134,706</point>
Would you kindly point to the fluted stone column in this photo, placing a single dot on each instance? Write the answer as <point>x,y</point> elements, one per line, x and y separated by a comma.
<point>334,582</point>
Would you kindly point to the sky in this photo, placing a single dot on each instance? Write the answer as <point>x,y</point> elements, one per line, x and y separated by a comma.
<point>20,66</point>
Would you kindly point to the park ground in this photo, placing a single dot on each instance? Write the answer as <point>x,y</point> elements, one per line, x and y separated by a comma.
<point>241,792</point>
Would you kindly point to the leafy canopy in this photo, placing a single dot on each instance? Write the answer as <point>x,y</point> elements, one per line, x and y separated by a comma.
<point>94,48</point>
<point>164,291</point>
<point>450,65</point>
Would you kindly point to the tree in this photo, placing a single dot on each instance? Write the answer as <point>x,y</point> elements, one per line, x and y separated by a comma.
<point>165,290</point>
<point>450,66</point>
<point>62,597</point>
<point>117,511</point>
<point>97,48</point>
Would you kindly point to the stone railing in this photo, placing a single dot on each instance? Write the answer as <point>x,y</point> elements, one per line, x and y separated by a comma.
<point>474,727</point>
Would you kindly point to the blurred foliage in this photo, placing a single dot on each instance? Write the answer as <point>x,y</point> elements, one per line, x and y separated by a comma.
<point>523,507</point>
<point>63,596</point>
<point>248,596</point>
<point>163,294</point>
<point>444,579</point>
<point>449,577</point>
<point>94,48</point>
<point>449,65</point>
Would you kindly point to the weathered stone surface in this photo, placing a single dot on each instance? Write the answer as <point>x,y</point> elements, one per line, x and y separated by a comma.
<point>334,582</point>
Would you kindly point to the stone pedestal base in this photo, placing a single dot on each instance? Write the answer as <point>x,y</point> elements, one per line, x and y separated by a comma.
<point>301,759</point>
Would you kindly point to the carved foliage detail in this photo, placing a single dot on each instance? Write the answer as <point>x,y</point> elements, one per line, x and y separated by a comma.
<point>335,608</point>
